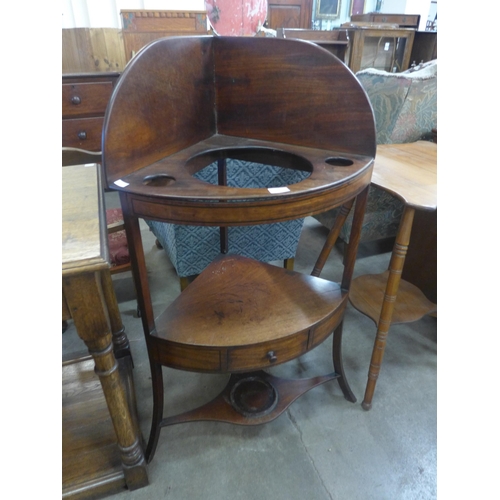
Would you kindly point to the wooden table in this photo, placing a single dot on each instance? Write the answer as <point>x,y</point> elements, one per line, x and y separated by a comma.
<point>101,455</point>
<point>407,171</point>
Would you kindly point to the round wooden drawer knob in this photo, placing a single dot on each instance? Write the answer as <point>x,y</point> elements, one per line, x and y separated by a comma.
<point>271,356</point>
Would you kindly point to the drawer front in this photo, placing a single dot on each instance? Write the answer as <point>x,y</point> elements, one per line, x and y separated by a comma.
<point>82,133</point>
<point>396,19</point>
<point>184,357</point>
<point>268,354</point>
<point>85,99</point>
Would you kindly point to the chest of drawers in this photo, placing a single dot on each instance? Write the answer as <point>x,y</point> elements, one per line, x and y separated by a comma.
<point>84,101</point>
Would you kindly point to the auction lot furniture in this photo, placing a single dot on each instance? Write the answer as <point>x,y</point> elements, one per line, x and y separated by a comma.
<point>84,100</point>
<point>386,47</point>
<point>407,171</point>
<point>102,447</point>
<point>335,41</point>
<point>183,104</point>
<point>402,20</point>
<point>141,27</point>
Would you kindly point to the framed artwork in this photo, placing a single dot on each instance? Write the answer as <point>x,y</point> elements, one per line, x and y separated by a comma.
<point>327,9</point>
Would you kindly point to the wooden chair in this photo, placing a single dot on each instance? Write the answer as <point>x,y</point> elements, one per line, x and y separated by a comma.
<point>183,103</point>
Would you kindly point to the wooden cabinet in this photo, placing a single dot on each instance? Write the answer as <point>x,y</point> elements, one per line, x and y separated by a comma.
<point>335,41</point>
<point>424,46</point>
<point>289,14</point>
<point>387,48</point>
<point>402,20</point>
<point>84,101</point>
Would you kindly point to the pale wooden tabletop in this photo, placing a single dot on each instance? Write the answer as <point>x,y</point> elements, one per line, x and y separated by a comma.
<point>84,240</point>
<point>409,171</point>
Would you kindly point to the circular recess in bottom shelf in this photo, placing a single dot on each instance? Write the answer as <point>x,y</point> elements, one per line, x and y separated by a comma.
<point>253,397</point>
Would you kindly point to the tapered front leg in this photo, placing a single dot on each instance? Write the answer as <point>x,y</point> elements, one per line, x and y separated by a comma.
<point>339,365</point>
<point>158,401</point>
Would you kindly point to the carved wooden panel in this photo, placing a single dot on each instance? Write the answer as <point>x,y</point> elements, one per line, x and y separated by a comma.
<point>141,27</point>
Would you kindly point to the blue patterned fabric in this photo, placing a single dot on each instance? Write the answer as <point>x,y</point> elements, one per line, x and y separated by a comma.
<point>405,109</point>
<point>192,248</point>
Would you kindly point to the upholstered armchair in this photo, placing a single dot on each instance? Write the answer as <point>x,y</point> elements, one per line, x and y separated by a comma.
<point>405,109</point>
<point>191,248</point>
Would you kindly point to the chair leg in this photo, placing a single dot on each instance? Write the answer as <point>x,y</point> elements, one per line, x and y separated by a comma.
<point>338,364</point>
<point>157,382</point>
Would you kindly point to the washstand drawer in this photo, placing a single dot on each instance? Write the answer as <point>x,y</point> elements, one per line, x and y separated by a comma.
<point>265,355</point>
<point>84,133</point>
<point>85,99</point>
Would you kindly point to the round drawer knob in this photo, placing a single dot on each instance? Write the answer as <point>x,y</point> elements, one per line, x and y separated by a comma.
<point>82,135</point>
<point>271,356</point>
<point>76,100</point>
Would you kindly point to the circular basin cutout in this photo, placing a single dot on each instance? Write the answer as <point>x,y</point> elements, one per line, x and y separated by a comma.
<point>249,167</point>
<point>158,180</point>
<point>339,162</point>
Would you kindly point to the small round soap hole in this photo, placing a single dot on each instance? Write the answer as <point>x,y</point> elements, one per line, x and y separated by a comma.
<point>339,162</point>
<point>158,180</point>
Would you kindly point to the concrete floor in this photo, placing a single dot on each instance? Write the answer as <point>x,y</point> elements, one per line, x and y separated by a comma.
<point>322,447</point>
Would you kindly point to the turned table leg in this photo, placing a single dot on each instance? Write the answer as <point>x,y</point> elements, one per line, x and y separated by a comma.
<point>121,344</point>
<point>395,270</point>
<point>88,297</point>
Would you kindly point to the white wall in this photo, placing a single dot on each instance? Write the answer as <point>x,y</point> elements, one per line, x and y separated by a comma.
<point>106,13</point>
<point>421,7</point>
<point>394,7</point>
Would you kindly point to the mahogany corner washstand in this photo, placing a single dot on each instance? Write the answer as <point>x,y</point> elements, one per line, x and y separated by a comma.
<point>184,103</point>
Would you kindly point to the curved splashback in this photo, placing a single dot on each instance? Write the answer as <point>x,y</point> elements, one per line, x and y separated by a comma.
<point>179,91</point>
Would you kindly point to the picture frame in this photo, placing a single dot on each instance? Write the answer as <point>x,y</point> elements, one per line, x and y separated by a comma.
<point>327,9</point>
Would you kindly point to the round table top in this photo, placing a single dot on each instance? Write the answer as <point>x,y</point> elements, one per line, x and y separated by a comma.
<point>408,171</point>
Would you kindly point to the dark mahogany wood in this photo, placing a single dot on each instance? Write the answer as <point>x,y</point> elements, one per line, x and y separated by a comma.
<point>184,103</point>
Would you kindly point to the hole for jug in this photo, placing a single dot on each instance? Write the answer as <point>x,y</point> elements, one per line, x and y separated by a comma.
<point>339,162</point>
<point>158,180</point>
